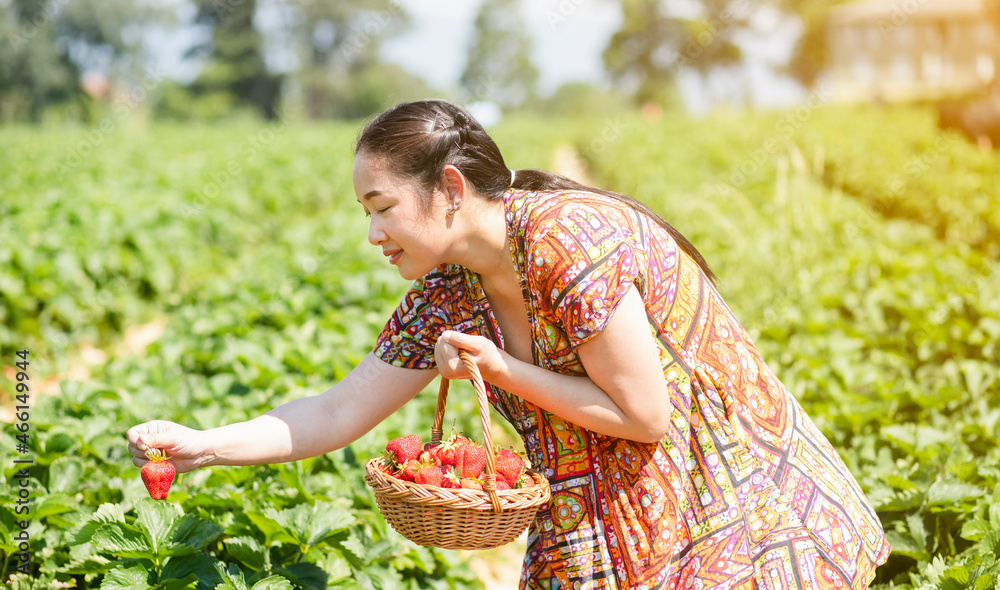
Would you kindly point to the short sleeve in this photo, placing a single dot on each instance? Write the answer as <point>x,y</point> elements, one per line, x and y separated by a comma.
<point>428,308</point>
<point>581,266</point>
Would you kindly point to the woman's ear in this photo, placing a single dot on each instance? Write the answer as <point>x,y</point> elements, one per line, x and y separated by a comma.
<point>453,184</point>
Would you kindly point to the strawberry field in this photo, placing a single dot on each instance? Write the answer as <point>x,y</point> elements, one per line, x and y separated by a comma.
<point>864,264</point>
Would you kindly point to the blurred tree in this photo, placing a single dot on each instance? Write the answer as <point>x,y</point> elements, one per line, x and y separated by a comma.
<point>234,74</point>
<point>809,56</point>
<point>657,41</point>
<point>338,55</point>
<point>47,46</point>
<point>499,66</point>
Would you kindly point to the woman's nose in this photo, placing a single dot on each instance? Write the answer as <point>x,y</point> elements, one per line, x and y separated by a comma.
<point>375,234</point>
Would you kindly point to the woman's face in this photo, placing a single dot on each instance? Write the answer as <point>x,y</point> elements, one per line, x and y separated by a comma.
<point>411,235</point>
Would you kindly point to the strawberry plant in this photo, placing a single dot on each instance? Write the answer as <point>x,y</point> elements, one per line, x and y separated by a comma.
<point>882,316</point>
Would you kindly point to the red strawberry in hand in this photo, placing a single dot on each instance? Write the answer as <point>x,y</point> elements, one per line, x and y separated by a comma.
<point>158,474</point>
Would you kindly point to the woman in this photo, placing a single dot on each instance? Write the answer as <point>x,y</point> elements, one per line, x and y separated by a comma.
<point>676,457</point>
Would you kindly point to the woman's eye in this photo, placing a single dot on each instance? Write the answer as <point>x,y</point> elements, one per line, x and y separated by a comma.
<point>381,211</point>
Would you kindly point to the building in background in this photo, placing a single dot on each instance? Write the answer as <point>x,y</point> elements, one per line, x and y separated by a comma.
<point>911,49</point>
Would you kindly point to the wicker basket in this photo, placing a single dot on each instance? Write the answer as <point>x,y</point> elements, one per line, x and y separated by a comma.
<point>458,518</point>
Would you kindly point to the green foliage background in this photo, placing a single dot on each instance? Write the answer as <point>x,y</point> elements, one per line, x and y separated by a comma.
<point>246,238</point>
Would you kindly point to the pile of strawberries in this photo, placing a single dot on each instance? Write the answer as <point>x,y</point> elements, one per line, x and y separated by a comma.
<point>455,463</point>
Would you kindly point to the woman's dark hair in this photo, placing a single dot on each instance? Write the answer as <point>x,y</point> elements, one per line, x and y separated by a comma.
<point>418,139</point>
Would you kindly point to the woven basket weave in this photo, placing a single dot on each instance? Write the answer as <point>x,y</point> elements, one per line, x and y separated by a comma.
<point>458,518</point>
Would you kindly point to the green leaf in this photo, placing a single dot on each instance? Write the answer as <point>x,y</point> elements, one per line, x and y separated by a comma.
<point>356,548</point>
<point>155,517</point>
<point>232,577</point>
<point>383,578</point>
<point>906,545</point>
<point>949,493</point>
<point>122,540</point>
<point>247,551</point>
<point>57,444</point>
<point>979,375</point>
<point>200,565</point>
<point>65,474</point>
<point>189,534</point>
<point>105,513</point>
<point>94,564</point>
<point>53,504</point>
<point>990,545</point>
<point>188,583</point>
<point>306,574</point>
<point>20,582</point>
<point>901,501</point>
<point>309,524</point>
<point>975,530</point>
<point>994,512</point>
<point>915,525</point>
<point>273,583</point>
<point>126,577</point>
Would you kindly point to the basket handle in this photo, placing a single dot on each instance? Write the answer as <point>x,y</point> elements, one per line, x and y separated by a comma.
<point>437,429</point>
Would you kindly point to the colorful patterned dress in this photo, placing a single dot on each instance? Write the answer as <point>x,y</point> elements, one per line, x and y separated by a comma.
<point>743,492</point>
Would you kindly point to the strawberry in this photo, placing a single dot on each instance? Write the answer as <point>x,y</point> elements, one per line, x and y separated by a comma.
<point>451,452</point>
<point>502,484</point>
<point>430,455</point>
<point>404,448</point>
<point>429,476</point>
<point>473,460</point>
<point>409,470</point>
<point>449,477</point>
<point>510,465</point>
<point>157,474</point>
<point>471,483</point>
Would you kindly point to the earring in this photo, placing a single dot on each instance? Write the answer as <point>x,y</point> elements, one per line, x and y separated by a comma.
<point>450,211</point>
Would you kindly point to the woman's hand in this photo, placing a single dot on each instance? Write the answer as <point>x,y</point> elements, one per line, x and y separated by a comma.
<point>186,447</point>
<point>488,358</point>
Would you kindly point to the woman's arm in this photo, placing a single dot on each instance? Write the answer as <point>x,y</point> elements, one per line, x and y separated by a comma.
<point>624,394</point>
<point>301,428</point>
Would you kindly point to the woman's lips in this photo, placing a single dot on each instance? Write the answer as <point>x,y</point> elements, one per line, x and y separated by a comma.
<point>393,255</point>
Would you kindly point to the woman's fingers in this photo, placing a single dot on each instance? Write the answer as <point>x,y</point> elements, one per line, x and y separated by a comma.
<point>181,443</point>
<point>148,436</point>
<point>482,350</point>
